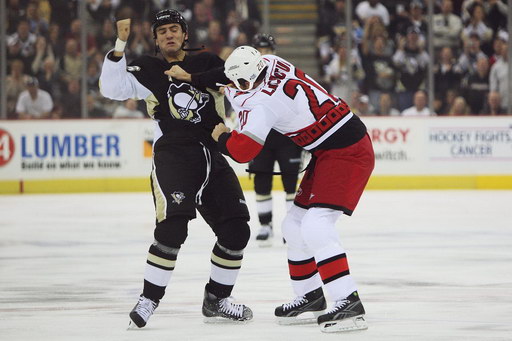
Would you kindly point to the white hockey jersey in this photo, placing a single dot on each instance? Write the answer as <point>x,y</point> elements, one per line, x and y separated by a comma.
<point>295,105</point>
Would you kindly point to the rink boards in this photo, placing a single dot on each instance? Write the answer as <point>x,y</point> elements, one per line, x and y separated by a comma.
<point>47,156</point>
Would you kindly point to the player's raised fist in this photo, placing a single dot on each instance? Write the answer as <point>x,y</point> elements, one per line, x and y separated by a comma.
<point>123,29</point>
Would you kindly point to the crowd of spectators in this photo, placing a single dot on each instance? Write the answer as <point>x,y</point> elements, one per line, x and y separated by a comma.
<point>388,59</point>
<point>45,56</point>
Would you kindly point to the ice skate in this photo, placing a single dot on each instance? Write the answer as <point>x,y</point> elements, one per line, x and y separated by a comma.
<point>223,310</point>
<point>141,313</point>
<point>264,237</point>
<point>346,315</point>
<point>304,309</point>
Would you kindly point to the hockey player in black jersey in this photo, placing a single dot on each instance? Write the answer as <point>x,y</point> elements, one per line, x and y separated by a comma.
<point>188,171</point>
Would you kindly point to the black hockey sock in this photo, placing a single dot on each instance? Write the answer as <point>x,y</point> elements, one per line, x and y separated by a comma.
<point>225,266</point>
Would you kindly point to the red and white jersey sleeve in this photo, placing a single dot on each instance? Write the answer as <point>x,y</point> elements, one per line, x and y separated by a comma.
<point>292,103</point>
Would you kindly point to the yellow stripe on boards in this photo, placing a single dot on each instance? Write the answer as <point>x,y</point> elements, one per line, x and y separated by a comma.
<point>378,182</point>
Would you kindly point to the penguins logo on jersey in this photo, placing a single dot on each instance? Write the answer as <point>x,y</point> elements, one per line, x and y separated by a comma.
<point>186,102</point>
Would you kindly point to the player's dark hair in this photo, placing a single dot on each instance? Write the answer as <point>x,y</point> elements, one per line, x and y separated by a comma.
<point>263,40</point>
<point>171,16</point>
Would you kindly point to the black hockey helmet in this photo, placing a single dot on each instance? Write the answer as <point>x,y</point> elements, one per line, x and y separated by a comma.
<point>264,40</point>
<point>168,16</point>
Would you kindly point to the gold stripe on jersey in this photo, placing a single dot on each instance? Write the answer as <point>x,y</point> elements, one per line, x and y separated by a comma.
<point>219,102</point>
<point>160,201</point>
<point>226,262</point>
<point>263,197</point>
<point>151,103</point>
<point>161,261</point>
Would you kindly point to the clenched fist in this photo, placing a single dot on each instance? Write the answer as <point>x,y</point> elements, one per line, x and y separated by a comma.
<point>123,29</point>
<point>219,130</point>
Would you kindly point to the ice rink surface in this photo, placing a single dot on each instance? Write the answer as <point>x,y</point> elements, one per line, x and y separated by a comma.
<point>430,265</point>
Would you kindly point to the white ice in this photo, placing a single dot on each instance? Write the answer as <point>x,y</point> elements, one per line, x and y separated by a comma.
<point>430,265</point>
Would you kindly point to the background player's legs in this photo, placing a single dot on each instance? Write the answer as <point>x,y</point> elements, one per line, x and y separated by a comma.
<point>289,158</point>
<point>263,166</point>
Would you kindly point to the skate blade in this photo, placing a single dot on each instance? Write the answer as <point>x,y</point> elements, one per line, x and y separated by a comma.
<point>345,325</point>
<point>304,318</point>
<point>132,326</point>
<point>223,320</point>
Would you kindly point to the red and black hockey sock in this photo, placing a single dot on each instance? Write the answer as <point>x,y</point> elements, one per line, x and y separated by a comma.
<point>333,268</point>
<point>303,269</point>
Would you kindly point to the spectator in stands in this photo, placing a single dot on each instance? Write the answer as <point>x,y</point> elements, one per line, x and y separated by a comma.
<point>497,45</point>
<point>139,44</point>
<point>373,29</point>
<point>94,109</point>
<point>71,62</point>
<point>15,85</point>
<point>128,110</point>
<point>446,73</point>
<point>447,27</point>
<point>411,61</point>
<point>336,72</point>
<point>499,72</point>
<point>75,34</point>
<point>198,26</point>
<point>15,12</point>
<point>363,106</point>
<point>476,86</point>
<point>107,35</point>
<point>216,40</point>
<point>331,21</point>
<point>493,105</point>
<point>55,41</point>
<point>49,79</point>
<point>385,107</point>
<point>476,25</point>
<point>92,76</point>
<point>419,22</point>
<point>22,44</point>
<point>71,99</point>
<point>370,8</point>
<point>459,107</point>
<point>379,70</point>
<point>496,14</point>
<point>38,25</point>
<point>34,103</point>
<point>43,52</point>
<point>399,22</point>
<point>472,52</point>
<point>420,106</point>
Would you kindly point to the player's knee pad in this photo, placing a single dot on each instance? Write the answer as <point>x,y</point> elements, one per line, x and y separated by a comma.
<point>291,226</point>
<point>262,183</point>
<point>233,234</point>
<point>173,231</point>
<point>318,227</point>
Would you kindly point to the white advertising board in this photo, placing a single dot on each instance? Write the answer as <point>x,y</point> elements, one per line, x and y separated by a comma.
<point>115,149</point>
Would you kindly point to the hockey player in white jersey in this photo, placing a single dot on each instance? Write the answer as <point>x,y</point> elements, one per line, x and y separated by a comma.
<point>271,93</point>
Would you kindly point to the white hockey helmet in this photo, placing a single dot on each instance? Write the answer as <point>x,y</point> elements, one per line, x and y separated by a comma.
<point>244,65</point>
